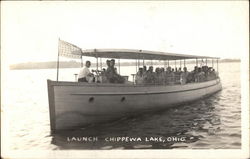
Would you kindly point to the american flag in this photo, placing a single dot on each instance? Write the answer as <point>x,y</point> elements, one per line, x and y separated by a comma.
<point>67,49</point>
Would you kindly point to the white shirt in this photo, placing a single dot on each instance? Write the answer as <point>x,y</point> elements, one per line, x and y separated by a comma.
<point>84,72</point>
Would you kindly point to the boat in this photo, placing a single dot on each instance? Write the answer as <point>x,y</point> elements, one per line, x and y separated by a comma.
<point>75,104</point>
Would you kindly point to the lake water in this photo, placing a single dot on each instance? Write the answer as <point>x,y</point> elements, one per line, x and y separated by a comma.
<point>214,122</point>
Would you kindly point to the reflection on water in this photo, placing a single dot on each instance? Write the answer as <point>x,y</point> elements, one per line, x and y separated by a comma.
<point>173,128</point>
<point>213,122</point>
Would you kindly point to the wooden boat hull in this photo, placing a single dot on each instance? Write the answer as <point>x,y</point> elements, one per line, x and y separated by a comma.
<point>75,104</point>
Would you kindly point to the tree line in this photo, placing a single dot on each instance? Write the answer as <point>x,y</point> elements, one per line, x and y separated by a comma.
<point>75,64</point>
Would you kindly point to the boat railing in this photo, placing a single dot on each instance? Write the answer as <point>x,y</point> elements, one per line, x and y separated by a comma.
<point>174,79</point>
<point>177,80</point>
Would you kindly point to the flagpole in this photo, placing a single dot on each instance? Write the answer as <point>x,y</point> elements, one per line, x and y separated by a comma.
<point>58,62</point>
<point>81,62</point>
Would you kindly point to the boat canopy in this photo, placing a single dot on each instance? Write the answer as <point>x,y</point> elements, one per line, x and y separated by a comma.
<point>72,51</point>
<point>138,54</point>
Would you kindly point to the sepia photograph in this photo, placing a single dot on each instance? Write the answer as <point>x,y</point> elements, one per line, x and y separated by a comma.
<point>125,79</point>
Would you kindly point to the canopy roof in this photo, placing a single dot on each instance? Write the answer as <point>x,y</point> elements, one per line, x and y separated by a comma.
<point>138,54</point>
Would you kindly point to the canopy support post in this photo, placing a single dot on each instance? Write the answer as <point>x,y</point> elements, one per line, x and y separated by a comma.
<point>180,63</point>
<point>119,66</point>
<point>57,74</point>
<point>217,67</point>
<point>135,66</point>
<point>101,62</point>
<point>143,62</point>
<point>81,62</point>
<point>206,62</point>
<point>96,63</point>
<point>196,62</point>
<point>184,62</point>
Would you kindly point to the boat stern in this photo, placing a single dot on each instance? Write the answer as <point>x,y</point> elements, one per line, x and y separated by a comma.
<point>51,98</point>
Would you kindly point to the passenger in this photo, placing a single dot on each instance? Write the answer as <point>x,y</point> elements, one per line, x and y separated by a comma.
<point>144,73</point>
<point>184,76</point>
<point>157,75</point>
<point>144,69</point>
<point>112,63</point>
<point>108,66</point>
<point>162,76</point>
<point>108,70</point>
<point>172,77</point>
<point>177,75</point>
<point>157,69</point>
<point>85,75</point>
<point>205,70</point>
<point>150,77</point>
<point>196,68</point>
<point>168,75</point>
<point>104,76</point>
<point>112,75</point>
<point>192,75</point>
<point>209,75</point>
<point>168,69</point>
<point>139,79</point>
<point>196,75</point>
<point>214,74</point>
<point>200,76</point>
<point>179,71</point>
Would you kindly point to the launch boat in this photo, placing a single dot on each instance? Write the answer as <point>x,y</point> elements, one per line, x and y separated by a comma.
<point>75,104</point>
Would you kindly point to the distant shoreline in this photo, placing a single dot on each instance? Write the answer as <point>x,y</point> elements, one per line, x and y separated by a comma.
<point>74,64</point>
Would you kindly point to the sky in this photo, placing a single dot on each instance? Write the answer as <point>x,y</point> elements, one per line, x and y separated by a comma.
<point>30,30</point>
